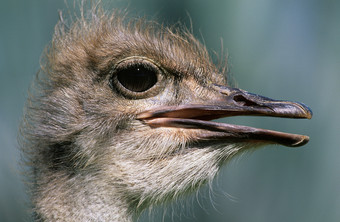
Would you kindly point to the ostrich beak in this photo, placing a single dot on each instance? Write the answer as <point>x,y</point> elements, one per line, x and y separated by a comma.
<point>232,102</point>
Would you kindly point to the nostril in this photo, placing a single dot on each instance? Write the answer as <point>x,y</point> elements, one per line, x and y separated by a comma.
<point>244,101</point>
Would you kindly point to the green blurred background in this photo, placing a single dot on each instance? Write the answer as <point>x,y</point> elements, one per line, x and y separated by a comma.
<point>281,49</point>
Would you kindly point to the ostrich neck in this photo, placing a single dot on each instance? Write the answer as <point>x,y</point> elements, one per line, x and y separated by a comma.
<point>78,199</point>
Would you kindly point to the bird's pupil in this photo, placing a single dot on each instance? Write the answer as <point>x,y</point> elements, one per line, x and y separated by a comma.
<point>137,78</point>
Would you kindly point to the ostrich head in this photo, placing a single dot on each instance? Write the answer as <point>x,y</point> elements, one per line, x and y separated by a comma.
<point>120,119</point>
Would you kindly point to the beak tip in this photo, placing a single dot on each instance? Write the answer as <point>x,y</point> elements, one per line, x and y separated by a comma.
<point>302,141</point>
<point>304,110</point>
<point>310,113</point>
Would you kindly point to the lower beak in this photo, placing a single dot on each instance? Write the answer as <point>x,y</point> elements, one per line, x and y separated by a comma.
<point>232,102</point>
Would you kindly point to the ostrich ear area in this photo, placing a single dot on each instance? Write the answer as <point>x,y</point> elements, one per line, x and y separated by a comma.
<point>233,102</point>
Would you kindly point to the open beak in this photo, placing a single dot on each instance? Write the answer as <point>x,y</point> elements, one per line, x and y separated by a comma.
<point>232,102</point>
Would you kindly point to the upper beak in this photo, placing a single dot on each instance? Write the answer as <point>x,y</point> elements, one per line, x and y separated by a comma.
<point>232,102</point>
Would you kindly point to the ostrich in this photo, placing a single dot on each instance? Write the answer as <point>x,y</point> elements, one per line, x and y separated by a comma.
<point>119,117</point>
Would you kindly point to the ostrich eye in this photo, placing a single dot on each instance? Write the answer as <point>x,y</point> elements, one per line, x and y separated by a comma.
<point>137,78</point>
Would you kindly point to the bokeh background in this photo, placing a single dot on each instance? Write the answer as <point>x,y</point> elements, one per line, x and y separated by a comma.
<point>282,49</point>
